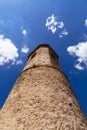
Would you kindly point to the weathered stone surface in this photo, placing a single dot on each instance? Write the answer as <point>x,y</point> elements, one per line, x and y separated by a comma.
<point>42,99</point>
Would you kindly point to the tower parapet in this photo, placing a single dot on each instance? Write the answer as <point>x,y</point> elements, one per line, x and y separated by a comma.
<point>42,55</point>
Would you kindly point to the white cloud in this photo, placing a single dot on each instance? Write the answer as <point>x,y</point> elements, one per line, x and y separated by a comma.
<point>8,51</point>
<point>19,62</point>
<point>63,33</point>
<point>60,24</point>
<point>24,32</point>
<point>53,29</point>
<point>80,52</point>
<point>25,49</point>
<point>85,36</point>
<point>85,23</point>
<point>78,66</point>
<point>53,25</point>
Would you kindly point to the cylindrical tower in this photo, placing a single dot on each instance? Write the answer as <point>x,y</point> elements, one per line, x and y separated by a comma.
<point>41,98</point>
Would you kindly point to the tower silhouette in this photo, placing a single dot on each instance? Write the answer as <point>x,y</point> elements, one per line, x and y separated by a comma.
<point>41,98</point>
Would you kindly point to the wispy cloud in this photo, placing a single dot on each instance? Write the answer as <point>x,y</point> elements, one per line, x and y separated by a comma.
<point>8,51</point>
<point>79,67</point>
<point>63,33</point>
<point>24,32</point>
<point>80,52</point>
<point>85,36</point>
<point>19,62</point>
<point>85,23</point>
<point>60,24</point>
<point>25,49</point>
<point>53,24</point>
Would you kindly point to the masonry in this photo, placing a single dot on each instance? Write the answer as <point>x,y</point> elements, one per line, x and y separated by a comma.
<point>41,98</point>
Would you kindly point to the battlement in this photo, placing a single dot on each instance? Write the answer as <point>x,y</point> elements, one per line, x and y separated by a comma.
<point>42,55</point>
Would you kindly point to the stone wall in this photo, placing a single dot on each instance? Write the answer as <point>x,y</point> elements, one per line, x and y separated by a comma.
<point>42,100</point>
<point>42,56</point>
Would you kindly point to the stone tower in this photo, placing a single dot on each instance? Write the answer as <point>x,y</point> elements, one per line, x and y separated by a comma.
<point>41,98</point>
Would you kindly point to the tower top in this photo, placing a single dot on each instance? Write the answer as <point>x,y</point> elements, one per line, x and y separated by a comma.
<point>43,45</point>
<point>43,55</point>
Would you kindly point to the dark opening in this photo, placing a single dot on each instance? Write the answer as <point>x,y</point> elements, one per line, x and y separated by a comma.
<point>33,56</point>
<point>53,56</point>
<point>70,104</point>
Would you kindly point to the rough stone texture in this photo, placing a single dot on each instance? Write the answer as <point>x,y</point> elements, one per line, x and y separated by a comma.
<point>42,56</point>
<point>42,99</point>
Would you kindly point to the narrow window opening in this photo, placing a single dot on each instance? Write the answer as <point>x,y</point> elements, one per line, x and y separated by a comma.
<point>33,56</point>
<point>53,56</point>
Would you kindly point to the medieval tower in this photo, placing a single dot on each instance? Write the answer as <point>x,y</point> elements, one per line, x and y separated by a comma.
<point>41,98</point>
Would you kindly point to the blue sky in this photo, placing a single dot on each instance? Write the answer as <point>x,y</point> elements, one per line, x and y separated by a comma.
<point>62,24</point>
